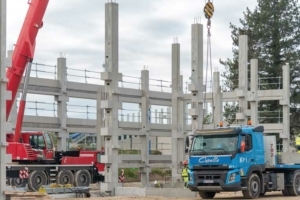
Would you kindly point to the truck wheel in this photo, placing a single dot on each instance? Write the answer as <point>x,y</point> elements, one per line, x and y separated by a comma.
<point>286,192</point>
<point>36,180</point>
<point>295,189</point>
<point>65,177</point>
<point>207,195</point>
<point>82,178</point>
<point>17,182</point>
<point>253,187</point>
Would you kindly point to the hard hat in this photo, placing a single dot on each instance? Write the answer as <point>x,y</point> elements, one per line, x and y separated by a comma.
<point>185,162</point>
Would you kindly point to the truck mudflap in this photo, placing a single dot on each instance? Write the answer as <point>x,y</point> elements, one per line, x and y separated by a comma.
<point>218,185</point>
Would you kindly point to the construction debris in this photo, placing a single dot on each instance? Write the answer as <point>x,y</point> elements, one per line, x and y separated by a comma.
<point>14,195</point>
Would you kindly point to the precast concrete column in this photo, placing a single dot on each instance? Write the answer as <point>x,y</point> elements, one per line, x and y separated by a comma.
<point>99,138</point>
<point>196,87</point>
<point>241,92</point>
<point>177,114</point>
<point>3,98</point>
<point>145,105</point>
<point>110,102</point>
<point>62,100</point>
<point>217,95</point>
<point>285,102</point>
<point>253,93</point>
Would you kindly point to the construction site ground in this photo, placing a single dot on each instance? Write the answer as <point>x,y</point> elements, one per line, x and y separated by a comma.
<point>232,195</point>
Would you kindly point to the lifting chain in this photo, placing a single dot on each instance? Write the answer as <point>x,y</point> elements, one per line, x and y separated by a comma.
<point>208,12</point>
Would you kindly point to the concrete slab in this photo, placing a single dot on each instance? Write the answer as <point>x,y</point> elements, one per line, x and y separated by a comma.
<point>164,192</point>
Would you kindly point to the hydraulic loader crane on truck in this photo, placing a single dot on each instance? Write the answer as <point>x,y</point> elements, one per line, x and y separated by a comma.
<point>33,153</point>
<point>239,159</point>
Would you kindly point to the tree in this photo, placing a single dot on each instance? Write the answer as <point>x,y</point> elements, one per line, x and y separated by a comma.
<point>273,30</point>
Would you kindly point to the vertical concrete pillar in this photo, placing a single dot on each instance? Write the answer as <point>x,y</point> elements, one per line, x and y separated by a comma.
<point>110,103</point>
<point>145,128</point>
<point>3,97</point>
<point>62,100</point>
<point>253,94</point>
<point>285,102</point>
<point>217,104</point>
<point>241,92</point>
<point>99,138</point>
<point>196,87</point>
<point>177,139</point>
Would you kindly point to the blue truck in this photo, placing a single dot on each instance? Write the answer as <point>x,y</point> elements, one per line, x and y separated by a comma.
<point>239,159</point>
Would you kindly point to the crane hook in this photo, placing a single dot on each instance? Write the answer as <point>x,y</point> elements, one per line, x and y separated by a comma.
<point>209,10</point>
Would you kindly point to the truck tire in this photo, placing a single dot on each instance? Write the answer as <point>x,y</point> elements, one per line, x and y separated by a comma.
<point>253,187</point>
<point>295,189</point>
<point>36,180</point>
<point>207,195</point>
<point>65,177</point>
<point>17,182</point>
<point>82,178</point>
<point>286,192</point>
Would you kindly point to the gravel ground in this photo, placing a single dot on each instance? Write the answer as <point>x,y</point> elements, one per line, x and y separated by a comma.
<point>238,195</point>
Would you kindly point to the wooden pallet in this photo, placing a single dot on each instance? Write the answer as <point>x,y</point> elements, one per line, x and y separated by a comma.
<point>11,195</point>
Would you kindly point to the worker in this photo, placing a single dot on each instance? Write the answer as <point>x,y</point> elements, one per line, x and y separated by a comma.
<point>122,177</point>
<point>184,173</point>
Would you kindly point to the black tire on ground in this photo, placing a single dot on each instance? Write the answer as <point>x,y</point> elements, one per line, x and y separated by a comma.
<point>207,195</point>
<point>295,189</point>
<point>36,179</point>
<point>286,192</point>
<point>82,178</point>
<point>17,182</point>
<point>65,177</point>
<point>254,187</point>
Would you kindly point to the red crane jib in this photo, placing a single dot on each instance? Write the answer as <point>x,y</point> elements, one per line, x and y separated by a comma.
<point>24,49</point>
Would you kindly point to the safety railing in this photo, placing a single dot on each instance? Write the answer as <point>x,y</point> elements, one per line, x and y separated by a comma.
<point>39,108</point>
<point>264,83</point>
<point>82,111</point>
<point>39,70</point>
<point>83,75</point>
<point>129,81</point>
<point>160,85</point>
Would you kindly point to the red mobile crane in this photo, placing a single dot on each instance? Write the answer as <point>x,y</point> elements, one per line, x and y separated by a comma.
<point>33,152</point>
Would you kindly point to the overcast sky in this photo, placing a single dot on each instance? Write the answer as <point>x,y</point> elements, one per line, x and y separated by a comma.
<point>146,32</point>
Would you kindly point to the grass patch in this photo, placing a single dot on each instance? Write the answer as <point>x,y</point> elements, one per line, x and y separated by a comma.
<point>161,172</point>
<point>130,173</point>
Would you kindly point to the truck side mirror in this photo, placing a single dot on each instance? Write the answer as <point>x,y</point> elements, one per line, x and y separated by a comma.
<point>186,150</point>
<point>187,142</point>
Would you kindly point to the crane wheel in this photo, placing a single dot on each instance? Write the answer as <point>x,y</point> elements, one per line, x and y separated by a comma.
<point>17,182</point>
<point>37,179</point>
<point>65,177</point>
<point>82,178</point>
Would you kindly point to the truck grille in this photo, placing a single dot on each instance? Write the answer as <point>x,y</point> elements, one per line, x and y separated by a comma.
<point>209,177</point>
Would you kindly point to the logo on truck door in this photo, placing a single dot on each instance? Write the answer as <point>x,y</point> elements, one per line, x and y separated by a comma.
<point>208,160</point>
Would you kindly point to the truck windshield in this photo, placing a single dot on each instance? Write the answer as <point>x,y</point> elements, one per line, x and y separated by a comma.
<point>212,144</point>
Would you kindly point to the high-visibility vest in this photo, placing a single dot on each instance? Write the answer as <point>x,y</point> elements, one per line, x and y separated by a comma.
<point>184,172</point>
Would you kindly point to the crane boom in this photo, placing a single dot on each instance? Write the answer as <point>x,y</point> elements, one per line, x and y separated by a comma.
<point>24,49</point>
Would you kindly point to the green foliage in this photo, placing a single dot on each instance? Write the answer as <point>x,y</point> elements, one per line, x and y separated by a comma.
<point>208,119</point>
<point>161,172</point>
<point>130,173</point>
<point>273,30</point>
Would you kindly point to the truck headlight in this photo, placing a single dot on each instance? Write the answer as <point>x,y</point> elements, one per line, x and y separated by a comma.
<point>232,177</point>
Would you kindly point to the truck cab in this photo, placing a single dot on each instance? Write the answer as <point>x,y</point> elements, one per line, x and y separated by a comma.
<point>222,159</point>
<point>33,146</point>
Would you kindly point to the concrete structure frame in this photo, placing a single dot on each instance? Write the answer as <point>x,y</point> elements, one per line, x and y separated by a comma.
<point>110,98</point>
